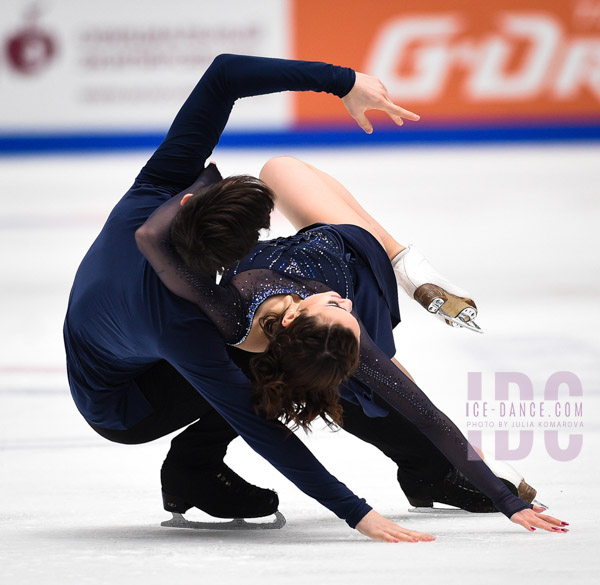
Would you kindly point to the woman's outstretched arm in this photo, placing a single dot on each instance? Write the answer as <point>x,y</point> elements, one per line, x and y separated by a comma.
<point>385,379</point>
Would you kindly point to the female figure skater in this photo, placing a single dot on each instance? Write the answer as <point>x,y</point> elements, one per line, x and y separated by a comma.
<point>317,308</point>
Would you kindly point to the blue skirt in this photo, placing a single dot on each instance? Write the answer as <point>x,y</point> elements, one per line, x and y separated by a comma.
<point>375,299</point>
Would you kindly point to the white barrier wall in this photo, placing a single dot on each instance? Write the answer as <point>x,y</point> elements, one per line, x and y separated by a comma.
<point>124,65</point>
<point>494,70</point>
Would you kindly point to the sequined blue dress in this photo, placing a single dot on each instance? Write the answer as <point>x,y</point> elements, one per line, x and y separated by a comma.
<point>320,258</point>
<point>122,319</point>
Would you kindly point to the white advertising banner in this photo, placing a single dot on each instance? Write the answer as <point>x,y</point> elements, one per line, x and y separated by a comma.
<point>121,65</point>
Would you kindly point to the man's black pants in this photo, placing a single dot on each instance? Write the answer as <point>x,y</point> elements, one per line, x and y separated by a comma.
<point>204,442</point>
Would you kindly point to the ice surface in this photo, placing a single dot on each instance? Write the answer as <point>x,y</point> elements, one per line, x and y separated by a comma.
<point>516,226</point>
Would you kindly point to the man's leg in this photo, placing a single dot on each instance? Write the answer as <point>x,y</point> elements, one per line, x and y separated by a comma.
<point>175,403</point>
<point>417,459</point>
<point>193,473</point>
<point>424,474</point>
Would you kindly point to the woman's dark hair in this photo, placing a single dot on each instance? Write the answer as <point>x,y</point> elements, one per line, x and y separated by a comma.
<point>297,378</point>
<point>220,225</point>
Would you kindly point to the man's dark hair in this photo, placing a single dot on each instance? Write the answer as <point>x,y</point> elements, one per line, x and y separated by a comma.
<point>221,223</point>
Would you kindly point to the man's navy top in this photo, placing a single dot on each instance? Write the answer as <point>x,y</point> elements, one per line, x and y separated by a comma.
<point>121,319</point>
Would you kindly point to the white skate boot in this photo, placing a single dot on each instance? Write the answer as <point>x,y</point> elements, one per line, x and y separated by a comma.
<point>507,472</point>
<point>434,292</point>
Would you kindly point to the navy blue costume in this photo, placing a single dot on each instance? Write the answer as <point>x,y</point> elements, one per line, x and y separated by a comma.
<point>345,259</point>
<point>122,320</point>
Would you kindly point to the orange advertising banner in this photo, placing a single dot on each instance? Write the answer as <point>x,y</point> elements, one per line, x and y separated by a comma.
<point>459,60</point>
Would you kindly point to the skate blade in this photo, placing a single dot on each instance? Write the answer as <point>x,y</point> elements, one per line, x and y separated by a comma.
<point>460,320</point>
<point>433,511</point>
<point>178,521</point>
<point>454,311</point>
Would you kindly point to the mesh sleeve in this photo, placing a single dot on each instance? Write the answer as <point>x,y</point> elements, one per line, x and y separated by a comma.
<point>221,304</point>
<point>385,379</point>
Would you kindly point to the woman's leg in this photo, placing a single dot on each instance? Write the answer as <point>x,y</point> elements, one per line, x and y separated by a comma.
<point>307,195</point>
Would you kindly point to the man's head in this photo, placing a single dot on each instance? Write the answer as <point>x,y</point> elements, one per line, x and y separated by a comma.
<point>218,225</point>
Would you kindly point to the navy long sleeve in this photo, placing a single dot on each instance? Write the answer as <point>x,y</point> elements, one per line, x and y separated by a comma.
<point>384,378</point>
<point>224,82</point>
<point>231,306</point>
<point>121,319</point>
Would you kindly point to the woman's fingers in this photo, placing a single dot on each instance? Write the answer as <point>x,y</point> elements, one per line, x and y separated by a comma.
<point>550,519</point>
<point>532,520</point>
<point>550,523</point>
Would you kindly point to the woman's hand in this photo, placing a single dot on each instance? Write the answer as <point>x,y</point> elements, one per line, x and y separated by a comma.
<point>377,527</point>
<point>532,519</point>
<point>369,93</point>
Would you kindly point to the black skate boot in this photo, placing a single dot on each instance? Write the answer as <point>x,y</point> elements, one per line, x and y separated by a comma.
<point>217,490</point>
<point>454,489</point>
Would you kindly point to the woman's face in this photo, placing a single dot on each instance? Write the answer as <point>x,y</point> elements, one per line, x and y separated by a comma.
<point>331,307</point>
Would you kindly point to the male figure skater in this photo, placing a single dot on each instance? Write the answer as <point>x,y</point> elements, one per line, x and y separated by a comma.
<point>143,362</point>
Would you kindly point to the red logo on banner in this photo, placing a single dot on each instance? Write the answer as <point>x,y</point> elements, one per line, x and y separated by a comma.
<point>30,49</point>
<point>500,58</point>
